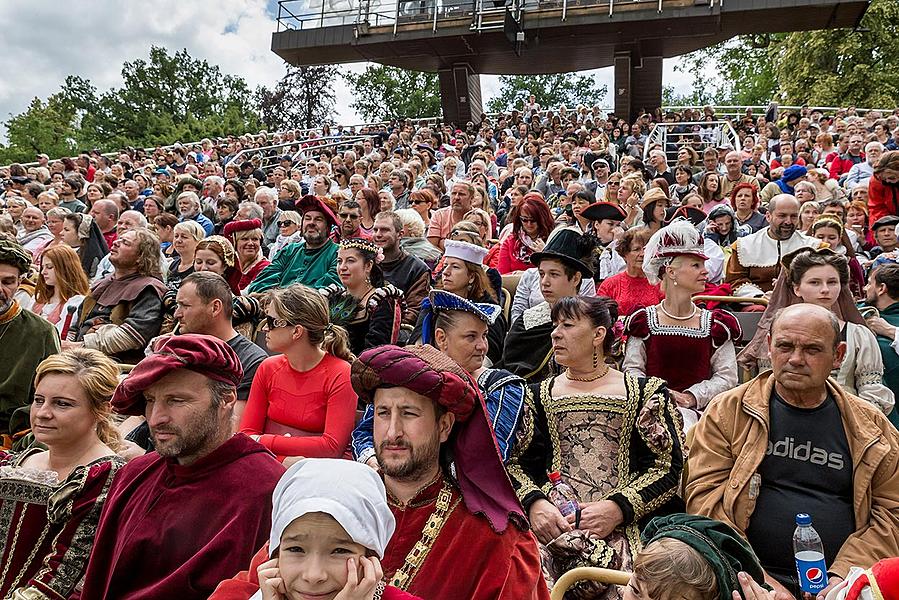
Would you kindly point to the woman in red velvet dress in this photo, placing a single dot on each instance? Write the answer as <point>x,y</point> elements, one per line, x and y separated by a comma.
<point>301,403</point>
<point>689,347</point>
<point>50,500</point>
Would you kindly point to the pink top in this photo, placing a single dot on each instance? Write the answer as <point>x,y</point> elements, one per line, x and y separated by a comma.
<point>509,256</point>
<point>441,223</point>
<point>320,403</point>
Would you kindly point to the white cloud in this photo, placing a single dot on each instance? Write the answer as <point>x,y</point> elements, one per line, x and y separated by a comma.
<point>42,44</point>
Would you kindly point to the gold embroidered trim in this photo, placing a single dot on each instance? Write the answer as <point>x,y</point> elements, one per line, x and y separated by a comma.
<point>416,557</point>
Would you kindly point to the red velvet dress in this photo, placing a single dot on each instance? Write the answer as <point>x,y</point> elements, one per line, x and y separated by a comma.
<point>682,356</point>
<point>238,280</point>
<point>47,528</point>
<point>174,531</point>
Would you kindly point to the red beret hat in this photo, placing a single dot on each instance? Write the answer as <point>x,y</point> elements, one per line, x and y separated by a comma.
<point>235,226</point>
<point>203,354</point>
<point>423,369</point>
<point>310,202</point>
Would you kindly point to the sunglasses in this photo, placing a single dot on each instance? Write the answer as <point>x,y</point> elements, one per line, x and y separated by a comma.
<point>273,323</point>
<point>285,223</point>
<point>417,202</point>
<point>351,217</point>
<point>527,220</point>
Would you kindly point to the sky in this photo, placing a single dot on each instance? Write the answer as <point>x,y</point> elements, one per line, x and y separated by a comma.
<point>42,45</point>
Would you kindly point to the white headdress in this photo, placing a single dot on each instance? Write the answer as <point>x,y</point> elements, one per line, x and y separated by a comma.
<point>676,239</point>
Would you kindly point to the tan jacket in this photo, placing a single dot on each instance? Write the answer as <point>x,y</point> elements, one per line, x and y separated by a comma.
<point>729,444</point>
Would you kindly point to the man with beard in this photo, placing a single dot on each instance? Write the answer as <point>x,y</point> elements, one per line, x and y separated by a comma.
<point>754,264</point>
<point>179,520</point>
<point>460,530</point>
<point>123,311</point>
<point>312,262</point>
<point>26,338</point>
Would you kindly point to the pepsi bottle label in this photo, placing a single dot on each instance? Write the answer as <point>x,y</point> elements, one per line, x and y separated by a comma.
<point>812,571</point>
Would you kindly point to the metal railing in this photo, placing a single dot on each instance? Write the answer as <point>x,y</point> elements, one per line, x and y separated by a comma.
<point>270,156</point>
<point>671,136</point>
<point>314,14</point>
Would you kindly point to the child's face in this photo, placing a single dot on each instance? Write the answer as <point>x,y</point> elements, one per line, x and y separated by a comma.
<point>313,557</point>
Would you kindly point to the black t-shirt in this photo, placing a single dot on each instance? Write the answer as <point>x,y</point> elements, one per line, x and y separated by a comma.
<point>250,356</point>
<point>807,469</point>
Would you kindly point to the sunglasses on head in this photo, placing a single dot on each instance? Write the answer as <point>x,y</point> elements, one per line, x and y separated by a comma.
<point>285,223</point>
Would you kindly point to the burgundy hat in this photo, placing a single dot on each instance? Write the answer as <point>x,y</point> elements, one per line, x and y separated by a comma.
<point>483,480</point>
<point>246,225</point>
<point>204,354</point>
<point>599,211</point>
<point>310,202</point>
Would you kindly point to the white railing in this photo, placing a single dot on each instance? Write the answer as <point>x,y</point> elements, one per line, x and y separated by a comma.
<point>712,134</point>
<point>269,156</point>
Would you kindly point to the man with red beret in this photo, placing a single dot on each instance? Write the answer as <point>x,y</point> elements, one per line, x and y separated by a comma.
<point>179,520</point>
<point>312,262</point>
<point>460,534</point>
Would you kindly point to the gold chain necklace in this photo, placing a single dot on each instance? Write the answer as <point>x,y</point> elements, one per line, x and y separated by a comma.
<point>416,557</point>
<point>586,379</point>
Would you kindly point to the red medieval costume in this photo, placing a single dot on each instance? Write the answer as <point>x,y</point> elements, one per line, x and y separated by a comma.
<point>656,350</point>
<point>47,527</point>
<point>174,531</point>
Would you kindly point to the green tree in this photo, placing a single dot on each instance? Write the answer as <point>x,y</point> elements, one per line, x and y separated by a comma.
<point>43,127</point>
<point>551,91</point>
<point>382,93</point>
<point>833,67</point>
<point>302,99</point>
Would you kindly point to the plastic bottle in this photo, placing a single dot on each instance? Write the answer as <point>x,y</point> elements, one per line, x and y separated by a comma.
<point>562,495</point>
<point>809,552</point>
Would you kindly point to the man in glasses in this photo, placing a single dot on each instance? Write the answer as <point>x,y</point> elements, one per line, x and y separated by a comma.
<point>350,223</point>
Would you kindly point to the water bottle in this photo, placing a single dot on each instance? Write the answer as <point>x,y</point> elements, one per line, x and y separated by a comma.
<point>562,495</point>
<point>809,551</point>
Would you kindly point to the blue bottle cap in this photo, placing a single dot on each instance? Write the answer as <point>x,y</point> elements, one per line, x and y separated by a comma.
<point>803,519</point>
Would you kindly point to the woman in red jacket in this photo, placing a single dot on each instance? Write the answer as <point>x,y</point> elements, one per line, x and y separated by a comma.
<point>883,188</point>
<point>531,224</point>
<point>301,403</point>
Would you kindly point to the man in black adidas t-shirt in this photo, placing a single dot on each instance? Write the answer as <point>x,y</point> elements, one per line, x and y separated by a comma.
<point>792,441</point>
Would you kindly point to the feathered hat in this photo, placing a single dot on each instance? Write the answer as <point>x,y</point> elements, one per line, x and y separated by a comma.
<point>677,239</point>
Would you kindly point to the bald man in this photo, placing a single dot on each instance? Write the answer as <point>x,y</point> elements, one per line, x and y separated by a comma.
<point>106,214</point>
<point>792,441</point>
<point>755,261</point>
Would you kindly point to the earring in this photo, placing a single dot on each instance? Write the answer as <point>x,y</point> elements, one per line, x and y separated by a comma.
<point>674,281</point>
<point>595,359</point>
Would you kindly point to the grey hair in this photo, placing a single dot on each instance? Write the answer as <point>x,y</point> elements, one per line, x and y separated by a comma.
<point>834,323</point>
<point>141,219</point>
<point>254,210</point>
<point>216,179</point>
<point>413,225</point>
<point>268,192</point>
<point>192,196</point>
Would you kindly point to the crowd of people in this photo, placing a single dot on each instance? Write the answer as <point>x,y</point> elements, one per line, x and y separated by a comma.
<point>367,372</point>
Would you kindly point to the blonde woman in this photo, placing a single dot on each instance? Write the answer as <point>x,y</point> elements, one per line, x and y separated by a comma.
<point>58,493</point>
<point>630,194</point>
<point>301,403</point>
<point>185,236</point>
<point>289,222</point>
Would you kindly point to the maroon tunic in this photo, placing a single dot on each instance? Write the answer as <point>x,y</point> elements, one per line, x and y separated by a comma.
<point>682,356</point>
<point>173,531</point>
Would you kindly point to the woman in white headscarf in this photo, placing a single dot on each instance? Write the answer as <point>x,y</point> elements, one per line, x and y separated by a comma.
<point>330,527</point>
